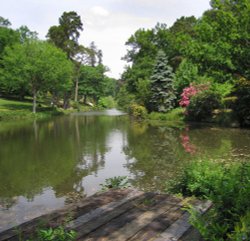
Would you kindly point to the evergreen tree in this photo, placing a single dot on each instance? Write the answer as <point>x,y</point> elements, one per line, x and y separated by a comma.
<point>162,87</point>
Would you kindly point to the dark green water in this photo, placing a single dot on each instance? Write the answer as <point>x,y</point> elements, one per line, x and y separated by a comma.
<point>44,165</point>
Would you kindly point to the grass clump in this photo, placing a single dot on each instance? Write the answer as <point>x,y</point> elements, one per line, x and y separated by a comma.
<point>176,115</point>
<point>228,187</point>
<point>173,118</point>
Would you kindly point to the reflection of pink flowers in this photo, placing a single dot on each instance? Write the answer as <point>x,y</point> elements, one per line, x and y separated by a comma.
<point>185,141</point>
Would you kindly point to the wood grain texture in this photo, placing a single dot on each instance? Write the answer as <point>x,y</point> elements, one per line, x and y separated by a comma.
<point>119,215</point>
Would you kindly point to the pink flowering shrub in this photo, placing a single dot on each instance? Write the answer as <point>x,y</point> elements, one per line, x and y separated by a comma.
<point>189,92</point>
<point>186,95</point>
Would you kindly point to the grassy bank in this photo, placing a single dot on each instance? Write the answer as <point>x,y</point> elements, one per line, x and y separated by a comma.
<point>11,110</point>
<point>173,118</point>
<point>177,116</point>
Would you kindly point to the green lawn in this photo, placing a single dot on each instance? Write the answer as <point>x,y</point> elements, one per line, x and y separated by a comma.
<point>16,110</point>
<point>10,105</point>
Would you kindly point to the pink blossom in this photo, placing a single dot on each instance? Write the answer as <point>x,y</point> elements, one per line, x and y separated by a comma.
<point>190,91</point>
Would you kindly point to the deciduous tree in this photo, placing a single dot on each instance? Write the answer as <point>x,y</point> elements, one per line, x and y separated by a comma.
<point>38,65</point>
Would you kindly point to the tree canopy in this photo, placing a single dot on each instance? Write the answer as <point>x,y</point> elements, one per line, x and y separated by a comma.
<point>38,66</point>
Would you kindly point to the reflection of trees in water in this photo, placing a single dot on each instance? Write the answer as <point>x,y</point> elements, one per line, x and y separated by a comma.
<point>6,203</point>
<point>57,153</point>
<point>156,152</point>
<point>213,142</point>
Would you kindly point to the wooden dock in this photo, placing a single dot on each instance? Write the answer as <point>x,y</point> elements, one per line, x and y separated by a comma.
<point>119,215</point>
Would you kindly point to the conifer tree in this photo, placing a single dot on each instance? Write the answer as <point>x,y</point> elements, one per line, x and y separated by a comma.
<point>162,87</point>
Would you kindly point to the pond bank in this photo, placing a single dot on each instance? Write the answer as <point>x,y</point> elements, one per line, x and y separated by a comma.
<point>13,110</point>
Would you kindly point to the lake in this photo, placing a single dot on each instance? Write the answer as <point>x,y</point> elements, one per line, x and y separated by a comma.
<point>45,165</point>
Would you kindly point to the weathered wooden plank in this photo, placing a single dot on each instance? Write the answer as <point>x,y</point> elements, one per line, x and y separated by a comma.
<point>182,225</point>
<point>158,225</point>
<point>94,224</point>
<point>130,229</point>
<point>57,217</point>
<point>119,215</point>
<point>176,230</point>
<point>95,213</point>
<point>128,224</point>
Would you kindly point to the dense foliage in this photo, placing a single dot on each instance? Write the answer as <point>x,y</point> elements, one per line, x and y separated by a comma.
<point>60,68</point>
<point>37,67</point>
<point>242,103</point>
<point>138,111</point>
<point>228,186</point>
<point>213,49</point>
<point>202,105</point>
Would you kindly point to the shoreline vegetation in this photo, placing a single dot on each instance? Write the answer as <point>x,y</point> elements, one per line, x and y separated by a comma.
<point>15,110</point>
<point>227,185</point>
<point>12,110</point>
<point>177,117</point>
<point>196,70</point>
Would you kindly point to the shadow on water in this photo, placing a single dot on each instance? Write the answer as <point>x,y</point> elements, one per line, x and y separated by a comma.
<point>45,164</point>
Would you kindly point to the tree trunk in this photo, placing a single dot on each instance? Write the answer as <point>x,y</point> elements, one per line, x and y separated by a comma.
<point>76,89</point>
<point>78,66</point>
<point>34,100</point>
<point>54,99</point>
<point>66,101</point>
<point>85,99</point>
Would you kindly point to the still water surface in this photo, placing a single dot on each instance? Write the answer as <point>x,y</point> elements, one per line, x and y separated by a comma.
<point>45,165</point>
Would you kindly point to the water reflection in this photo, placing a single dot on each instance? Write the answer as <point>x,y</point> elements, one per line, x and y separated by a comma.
<point>44,165</point>
<point>156,153</point>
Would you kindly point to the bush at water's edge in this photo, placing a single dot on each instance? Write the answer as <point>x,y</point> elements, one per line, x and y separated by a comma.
<point>228,187</point>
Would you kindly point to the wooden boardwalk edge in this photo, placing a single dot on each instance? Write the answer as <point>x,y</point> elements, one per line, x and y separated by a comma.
<point>119,215</point>
<point>182,225</point>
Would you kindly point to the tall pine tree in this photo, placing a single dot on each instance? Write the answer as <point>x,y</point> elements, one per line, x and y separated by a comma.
<point>162,87</point>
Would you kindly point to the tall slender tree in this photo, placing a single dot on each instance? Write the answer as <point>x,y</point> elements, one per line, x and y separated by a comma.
<point>162,87</point>
<point>65,36</point>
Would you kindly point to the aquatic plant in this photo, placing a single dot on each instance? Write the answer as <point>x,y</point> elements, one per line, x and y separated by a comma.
<point>115,182</point>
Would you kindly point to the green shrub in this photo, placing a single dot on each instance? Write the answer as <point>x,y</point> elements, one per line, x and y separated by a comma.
<point>124,98</point>
<point>202,105</point>
<point>242,229</point>
<point>242,103</point>
<point>228,187</point>
<point>107,102</point>
<point>223,89</point>
<point>138,111</point>
<point>229,102</point>
<point>186,73</point>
